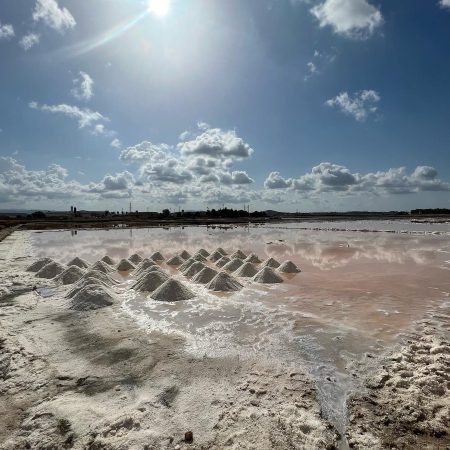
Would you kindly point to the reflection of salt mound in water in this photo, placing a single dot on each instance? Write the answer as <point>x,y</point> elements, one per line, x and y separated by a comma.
<point>51,270</point>
<point>203,252</point>
<point>125,266</point>
<point>215,256</point>
<point>221,251</point>
<point>175,261</point>
<point>194,269</point>
<point>71,275</point>
<point>172,291</point>
<point>238,254</point>
<point>150,281</point>
<point>81,263</point>
<point>90,281</point>
<point>204,276</point>
<point>247,270</point>
<point>103,277</point>
<point>91,298</point>
<point>267,275</point>
<point>222,261</point>
<point>199,257</point>
<point>157,257</point>
<point>135,258</point>
<point>224,282</point>
<point>144,265</point>
<point>185,255</point>
<point>106,259</point>
<point>39,264</point>
<point>271,262</point>
<point>102,267</point>
<point>253,258</point>
<point>187,264</point>
<point>233,265</point>
<point>288,267</point>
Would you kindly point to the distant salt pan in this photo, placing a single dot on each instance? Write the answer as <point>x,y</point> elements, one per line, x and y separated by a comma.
<point>233,265</point>
<point>224,282</point>
<point>39,264</point>
<point>78,262</point>
<point>288,267</point>
<point>253,259</point>
<point>51,270</point>
<point>71,275</point>
<point>204,276</point>
<point>135,258</point>
<point>267,275</point>
<point>222,261</point>
<point>157,257</point>
<point>175,261</point>
<point>151,281</point>
<point>271,262</point>
<point>238,254</point>
<point>125,266</point>
<point>247,270</point>
<point>172,291</point>
<point>194,269</point>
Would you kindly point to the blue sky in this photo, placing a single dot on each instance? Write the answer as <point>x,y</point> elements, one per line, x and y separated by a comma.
<point>303,105</point>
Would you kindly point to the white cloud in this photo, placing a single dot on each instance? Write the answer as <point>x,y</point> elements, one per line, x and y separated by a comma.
<point>49,12</point>
<point>360,105</point>
<point>445,3</point>
<point>276,181</point>
<point>123,181</point>
<point>352,18</point>
<point>116,143</point>
<point>83,87</point>
<point>29,40</point>
<point>6,31</point>
<point>318,63</point>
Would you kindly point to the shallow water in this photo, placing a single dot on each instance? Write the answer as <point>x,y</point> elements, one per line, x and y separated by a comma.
<point>356,293</point>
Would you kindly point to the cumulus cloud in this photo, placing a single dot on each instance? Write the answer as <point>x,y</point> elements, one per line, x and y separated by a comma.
<point>49,12</point>
<point>445,3</point>
<point>119,185</point>
<point>6,31</point>
<point>276,181</point>
<point>116,143</point>
<point>359,105</point>
<point>29,40</point>
<point>351,18</point>
<point>83,87</point>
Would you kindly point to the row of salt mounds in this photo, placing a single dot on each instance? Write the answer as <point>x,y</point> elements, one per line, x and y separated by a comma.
<point>101,266</point>
<point>188,263</point>
<point>233,265</point>
<point>203,253</point>
<point>268,276</point>
<point>157,257</point>
<point>288,267</point>
<point>271,262</point>
<point>175,261</point>
<point>185,255</point>
<point>253,258</point>
<point>247,270</point>
<point>39,264</point>
<point>103,277</point>
<point>150,281</point>
<point>194,269</point>
<point>221,250</point>
<point>92,297</point>
<point>155,268</point>
<point>81,284</point>
<point>108,260</point>
<point>51,270</point>
<point>204,276</point>
<point>222,261</point>
<point>78,262</point>
<point>135,258</point>
<point>199,257</point>
<point>215,256</point>
<point>223,282</point>
<point>71,275</point>
<point>238,254</point>
<point>172,291</point>
<point>125,266</point>
<point>144,265</point>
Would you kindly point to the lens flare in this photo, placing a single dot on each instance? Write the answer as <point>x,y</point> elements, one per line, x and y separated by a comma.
<point>159,8</point>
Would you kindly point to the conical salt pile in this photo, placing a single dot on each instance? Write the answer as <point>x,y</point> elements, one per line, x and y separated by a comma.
<point>103,277</point>
<point>172,291</point>
<point>204,276</point>
<point>233,265</point>
<point>215,256</point>
<point>203,252</point>
<point>221,251</point>
<point>51,270</point>
<point>199,257</point>
<point>144,265</point>
<point>91,298</point>
<point>108,260</point>
<point>288,267</point>
<point>157,257</point>
<point>150,281</point>
<point>224,282</point>
<point>194,269</point>
<point>222,261</point>
<point>175,261</point>
<point>253,259</point>
<point>82,284</point>
<point>267,275</point>
<point>185,255</point>
<point>125,266</point>
<point>39,264</point>
<point>71,275</point>
<point>271,262</point>
<point>102,267</point>
<point>81,263</point>
<point>135,258</point>
<point>238,254</point>
<point>247,270</point>
<point>186,264</point>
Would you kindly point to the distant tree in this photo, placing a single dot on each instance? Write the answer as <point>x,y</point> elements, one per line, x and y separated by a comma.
<point>165,212</point>
<point>38,215</point>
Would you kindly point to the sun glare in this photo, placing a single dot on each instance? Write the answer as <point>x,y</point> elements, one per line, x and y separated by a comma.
<point>159,8</point>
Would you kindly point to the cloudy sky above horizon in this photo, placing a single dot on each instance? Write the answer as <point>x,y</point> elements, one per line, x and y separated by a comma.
<point>308,105</point>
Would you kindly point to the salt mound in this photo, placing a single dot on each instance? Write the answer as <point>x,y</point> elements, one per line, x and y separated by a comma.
<point>221,250</point>
<point>224,282</point>
<point>81,263</point>
<point>108,260</point>
<point>233,265</point>
<point>91,298</point>
<point>102,267</point>
<point>185,255</point>
<point>90,281</point>
<point>238,254</point>
<point>103,277</point>
<point>175,261</point>
<point>39,264</point>
<point>135,258</point>
<point>288,267</point>
<point>144,265</point>
<point>125,266</point>
<point>204,276</point>
<point>150,281</point>
<point>148,270</point>
<point>187,264</point>
<point>215,256</point>
<point>199,257</point>
<point>247,270</point>
<point>172,291</point>
<point>271,262</point>
<point>71,275</point>
<point>203,252</point>
<point>157,257</point>
<point>222,261</point>
<point>51,270</point>
<point>267,275</point>
<point>253,259</point>
<point>194,269</point>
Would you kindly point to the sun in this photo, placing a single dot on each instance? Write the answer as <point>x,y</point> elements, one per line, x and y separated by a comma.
<point>159,8</point>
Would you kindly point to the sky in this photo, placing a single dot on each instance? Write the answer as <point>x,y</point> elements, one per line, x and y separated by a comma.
<point>292,105</point>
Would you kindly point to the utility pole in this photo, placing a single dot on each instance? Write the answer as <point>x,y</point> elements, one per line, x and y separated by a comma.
<point>130,207</point>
